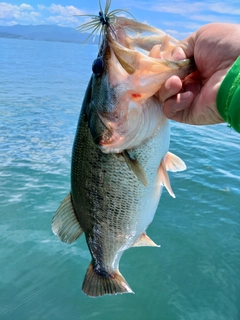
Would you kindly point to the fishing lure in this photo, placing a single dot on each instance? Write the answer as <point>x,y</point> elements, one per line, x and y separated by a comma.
<point>101,22</point>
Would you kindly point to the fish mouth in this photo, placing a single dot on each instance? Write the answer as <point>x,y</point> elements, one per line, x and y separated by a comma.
<point>130,68</point>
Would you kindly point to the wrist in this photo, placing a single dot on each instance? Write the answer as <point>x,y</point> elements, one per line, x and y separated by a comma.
<point>228,97</point>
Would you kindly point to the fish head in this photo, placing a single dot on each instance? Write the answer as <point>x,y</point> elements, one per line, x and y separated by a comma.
<point>124,112</point>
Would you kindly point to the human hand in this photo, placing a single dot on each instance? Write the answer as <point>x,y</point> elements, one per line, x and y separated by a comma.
<point>214,47</point>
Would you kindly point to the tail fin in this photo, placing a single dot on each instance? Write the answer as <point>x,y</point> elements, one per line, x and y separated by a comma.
<point>95,285</point>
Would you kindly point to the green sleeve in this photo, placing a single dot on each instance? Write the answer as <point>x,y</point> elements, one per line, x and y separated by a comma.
<point>228,97</point>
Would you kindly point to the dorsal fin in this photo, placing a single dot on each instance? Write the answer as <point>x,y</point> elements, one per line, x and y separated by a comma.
<point>65,223</point>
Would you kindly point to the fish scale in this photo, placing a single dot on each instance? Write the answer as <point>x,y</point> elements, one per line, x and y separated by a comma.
<point>120,153</point>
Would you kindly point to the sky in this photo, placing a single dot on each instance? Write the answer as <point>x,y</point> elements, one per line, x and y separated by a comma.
<point>178,18</point>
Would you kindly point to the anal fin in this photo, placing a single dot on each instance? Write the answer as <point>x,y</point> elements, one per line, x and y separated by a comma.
<point>65,223</point>
<point>144,241</point>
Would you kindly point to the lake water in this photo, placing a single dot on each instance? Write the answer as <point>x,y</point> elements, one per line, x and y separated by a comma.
<point>195,275</point>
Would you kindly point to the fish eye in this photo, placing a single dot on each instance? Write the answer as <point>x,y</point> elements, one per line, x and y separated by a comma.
<point>97,66</point>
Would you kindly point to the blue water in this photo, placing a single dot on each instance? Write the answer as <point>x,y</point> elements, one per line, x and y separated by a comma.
<point>195,275</point>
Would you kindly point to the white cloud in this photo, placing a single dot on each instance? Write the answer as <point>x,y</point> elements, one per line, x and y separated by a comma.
<point>41,7</point>
<point>196,12</point>
<point>27,14</point>
<point>62,21</point>
<point>179,7</point>
<point>64,11</point>
<point>63,16</point>
<point>7,10</point>
<point>183,15</point>
<point>207,18</point>
<point>182,25</point>
<point>225,8</point>
<point>25,6</point>
<point>177,34</point>
<point>13,14</point>
<point>191,9</point>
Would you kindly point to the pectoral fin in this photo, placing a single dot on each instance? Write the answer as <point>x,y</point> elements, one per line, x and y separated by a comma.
<point>135,167</point>
<point>144,241</point>
<point>171,163</point>
<point>165,179</point>
<point>65,223</point>
<point>174,163</point>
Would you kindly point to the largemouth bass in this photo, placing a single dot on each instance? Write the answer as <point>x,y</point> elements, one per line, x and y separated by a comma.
<point>120,153</point>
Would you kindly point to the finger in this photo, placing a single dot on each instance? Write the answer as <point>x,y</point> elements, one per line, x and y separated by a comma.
<point>185,49</point>
<point>175,107</point>
<point>170,88</point>
<point>178,53</point>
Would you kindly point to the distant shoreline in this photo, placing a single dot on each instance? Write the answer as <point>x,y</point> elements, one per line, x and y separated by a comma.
<point>51,33</point>
<point>18,37</point>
